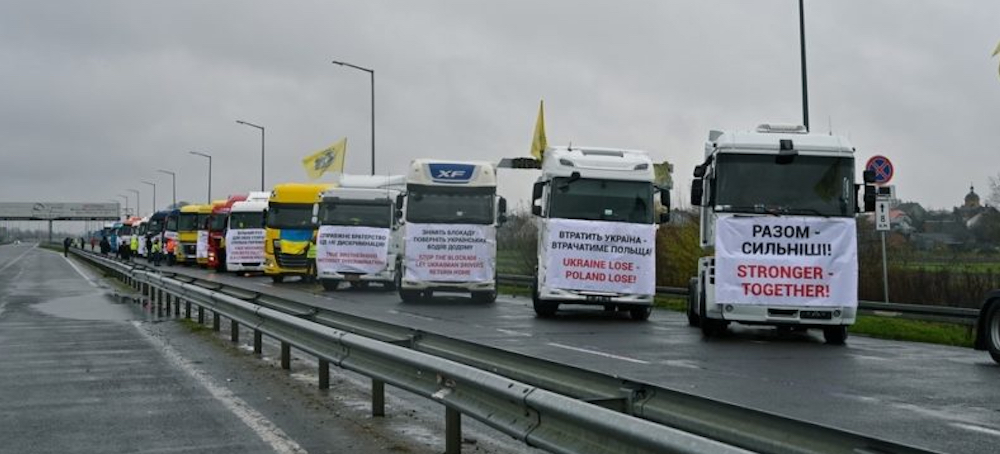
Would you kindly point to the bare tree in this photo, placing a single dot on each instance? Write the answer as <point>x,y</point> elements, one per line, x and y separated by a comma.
<point>994,197</point>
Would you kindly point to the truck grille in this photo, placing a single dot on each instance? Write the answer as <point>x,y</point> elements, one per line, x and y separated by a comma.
<point>293,260</point>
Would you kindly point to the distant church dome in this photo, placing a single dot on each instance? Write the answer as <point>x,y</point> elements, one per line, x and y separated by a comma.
<point>972,199</point>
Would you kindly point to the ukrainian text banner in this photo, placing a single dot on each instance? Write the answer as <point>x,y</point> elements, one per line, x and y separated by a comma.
<point>450,252</point>
<point>351,249</point>
<point>616,257</point>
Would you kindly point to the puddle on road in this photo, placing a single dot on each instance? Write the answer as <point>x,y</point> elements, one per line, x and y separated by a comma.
<point>93,306</point>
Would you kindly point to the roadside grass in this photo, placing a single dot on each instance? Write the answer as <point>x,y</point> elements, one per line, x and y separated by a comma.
<point>867,325</point>
<point>958,267</point>
<point>193,325</point>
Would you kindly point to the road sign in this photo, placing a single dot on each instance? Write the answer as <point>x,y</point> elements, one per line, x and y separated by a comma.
<point>882,215</point>
<point>882,167</point>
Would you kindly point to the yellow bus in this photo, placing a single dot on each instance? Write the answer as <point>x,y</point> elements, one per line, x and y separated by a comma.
<point>290,229</point>
<point>190,223</point>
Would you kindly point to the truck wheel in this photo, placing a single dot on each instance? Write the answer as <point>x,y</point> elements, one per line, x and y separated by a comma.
<point>711,327</point>
<point>330,284</point>
<point>993,332</point>
<point>835,335</point>
<point>484,297</point>
<point>543,309</point>
<point>389,285</point>
<point>409,296</point>
<point>693,318</point>
<point>277,278</point>
<point>640,313</point>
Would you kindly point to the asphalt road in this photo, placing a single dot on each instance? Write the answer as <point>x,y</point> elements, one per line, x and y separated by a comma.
<point>84,372</point>
<point>935,397</point>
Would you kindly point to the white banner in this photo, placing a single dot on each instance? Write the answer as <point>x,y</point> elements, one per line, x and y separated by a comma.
<point>600,256</point>
<point>201,247</point>
<point>245,246</point>
<point>795,261</point>
<point>142,246</point>
<point>350,249</point>
<point>450,252</point>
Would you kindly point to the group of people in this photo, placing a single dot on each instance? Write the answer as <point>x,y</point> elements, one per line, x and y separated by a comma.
<point>127,249</point>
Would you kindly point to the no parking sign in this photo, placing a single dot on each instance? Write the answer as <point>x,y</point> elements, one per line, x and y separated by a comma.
<point>882,167</point>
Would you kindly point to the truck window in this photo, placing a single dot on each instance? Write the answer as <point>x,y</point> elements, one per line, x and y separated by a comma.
<point>356,214</point>
<point>187,222</point>
<point>463,205</point>
<point>601,200</point>
<point>218,222</point>
<point>290,216</point>
<point>246,220</point>
<point>810,185</point>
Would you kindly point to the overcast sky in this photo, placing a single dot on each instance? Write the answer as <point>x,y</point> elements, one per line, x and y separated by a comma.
<point>95,96</point>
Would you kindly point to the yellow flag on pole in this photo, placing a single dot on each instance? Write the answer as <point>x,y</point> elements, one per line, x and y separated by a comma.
<point>329,159</point>
<point>996,51</point>
<point>539,143</point>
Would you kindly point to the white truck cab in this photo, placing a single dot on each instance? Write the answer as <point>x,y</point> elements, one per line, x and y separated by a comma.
<point>450,219</point>
<point>359,236</point>
<point>597,230</point>
<point>245,234</point>
<point>778,208</point>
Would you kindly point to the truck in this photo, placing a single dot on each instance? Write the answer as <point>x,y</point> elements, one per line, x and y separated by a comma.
<point>359,235</point>
<point>988,325</point>
<point>244,237</point>
<point>777,215</point>
<point>171,234</point>
<point>449,241</point>
<point>217,224</point>
<point>597,230</point>
<point>290,230</point>
<point>191,230</point>
<point>139,229</point>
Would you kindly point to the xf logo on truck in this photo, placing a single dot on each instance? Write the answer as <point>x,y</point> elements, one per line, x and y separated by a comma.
<point>451,173</point>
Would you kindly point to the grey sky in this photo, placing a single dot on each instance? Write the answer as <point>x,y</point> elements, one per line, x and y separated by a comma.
<point>97,95</point>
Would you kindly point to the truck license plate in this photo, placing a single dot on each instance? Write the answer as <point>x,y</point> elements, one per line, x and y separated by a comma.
<point>598,299</point>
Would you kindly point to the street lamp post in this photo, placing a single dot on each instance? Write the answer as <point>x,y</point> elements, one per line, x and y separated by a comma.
<point>126,204</point>
<point>138,210</point>
<point>154,192</point>
<point>206,155</point>
<point>802,51</point>
<point>261,128</point>
<point>173,179</point>
<point>371,73</point>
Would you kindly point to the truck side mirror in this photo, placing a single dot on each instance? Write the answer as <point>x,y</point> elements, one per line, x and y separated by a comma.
<point>399,215</point>
<point>315,215</point>
<point>868,176</point>
<point>869,198</point>
<point>536,198</point>
<point>699,171</point>
<point>501,211</point>
<point>400,198</point>
<point>697,191</point>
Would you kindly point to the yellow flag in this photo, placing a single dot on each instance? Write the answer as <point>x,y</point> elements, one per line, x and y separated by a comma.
<point>538,143</point>
<point>329,159</point>
<point>997,50</point>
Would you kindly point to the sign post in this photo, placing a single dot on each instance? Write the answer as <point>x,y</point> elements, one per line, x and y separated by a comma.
<point>884,170</point>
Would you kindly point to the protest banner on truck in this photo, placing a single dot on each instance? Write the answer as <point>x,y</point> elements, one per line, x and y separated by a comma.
<point>799,261</point>
<point>245,246</point>
<point>352,249</point>
<point>615,257</point>
<point>201,246</point>
<point>450,252</point>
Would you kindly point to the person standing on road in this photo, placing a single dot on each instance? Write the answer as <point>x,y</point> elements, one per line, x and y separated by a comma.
<point>66,243</point>
<point>105,246</point>
<point>134,246</point>
<point>156,251</point>
<point>93,243</point>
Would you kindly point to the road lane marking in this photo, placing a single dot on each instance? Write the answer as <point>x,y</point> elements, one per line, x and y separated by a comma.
<point>78,271</point>
<point>595,352</point>
<point>513,333</point>
<point>974,428</point>
<point>18,258</point>
<point>257,422</point>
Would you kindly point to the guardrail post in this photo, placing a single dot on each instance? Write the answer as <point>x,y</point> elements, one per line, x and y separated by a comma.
<point>452,431</point>
<point>216,321</point>
<point>286,356</point>
<point>201,315</point>
<point>258,342</point>
<point>187,310</point>
<point>234,331</point>
<point>378,397</point>
<point>177,304</point>
<point>324,374</point>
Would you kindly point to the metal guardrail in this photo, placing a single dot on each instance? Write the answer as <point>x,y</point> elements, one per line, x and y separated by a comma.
<point>922,312</point>
<point>557,407</point>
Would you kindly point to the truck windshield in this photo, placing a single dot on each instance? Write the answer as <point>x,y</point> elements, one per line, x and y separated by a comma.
<point>172,223</point>
<point>447,205</point>
<point>155,226</point>
<point>246,220</point>
<point>601,200</point>
<point>124,230</point>
<point>218,222</point>
<point>187,222</point>
<point>807,185</point>
<point>361,214</point>
<point>290,216</point>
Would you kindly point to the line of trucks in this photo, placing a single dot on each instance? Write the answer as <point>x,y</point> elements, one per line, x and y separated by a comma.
<point>777,226</point>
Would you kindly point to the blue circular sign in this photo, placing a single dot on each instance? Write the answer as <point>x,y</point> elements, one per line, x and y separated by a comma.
<point>882,167</point>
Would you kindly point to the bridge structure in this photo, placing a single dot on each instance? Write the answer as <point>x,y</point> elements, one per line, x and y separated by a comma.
<point>59,211</point>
